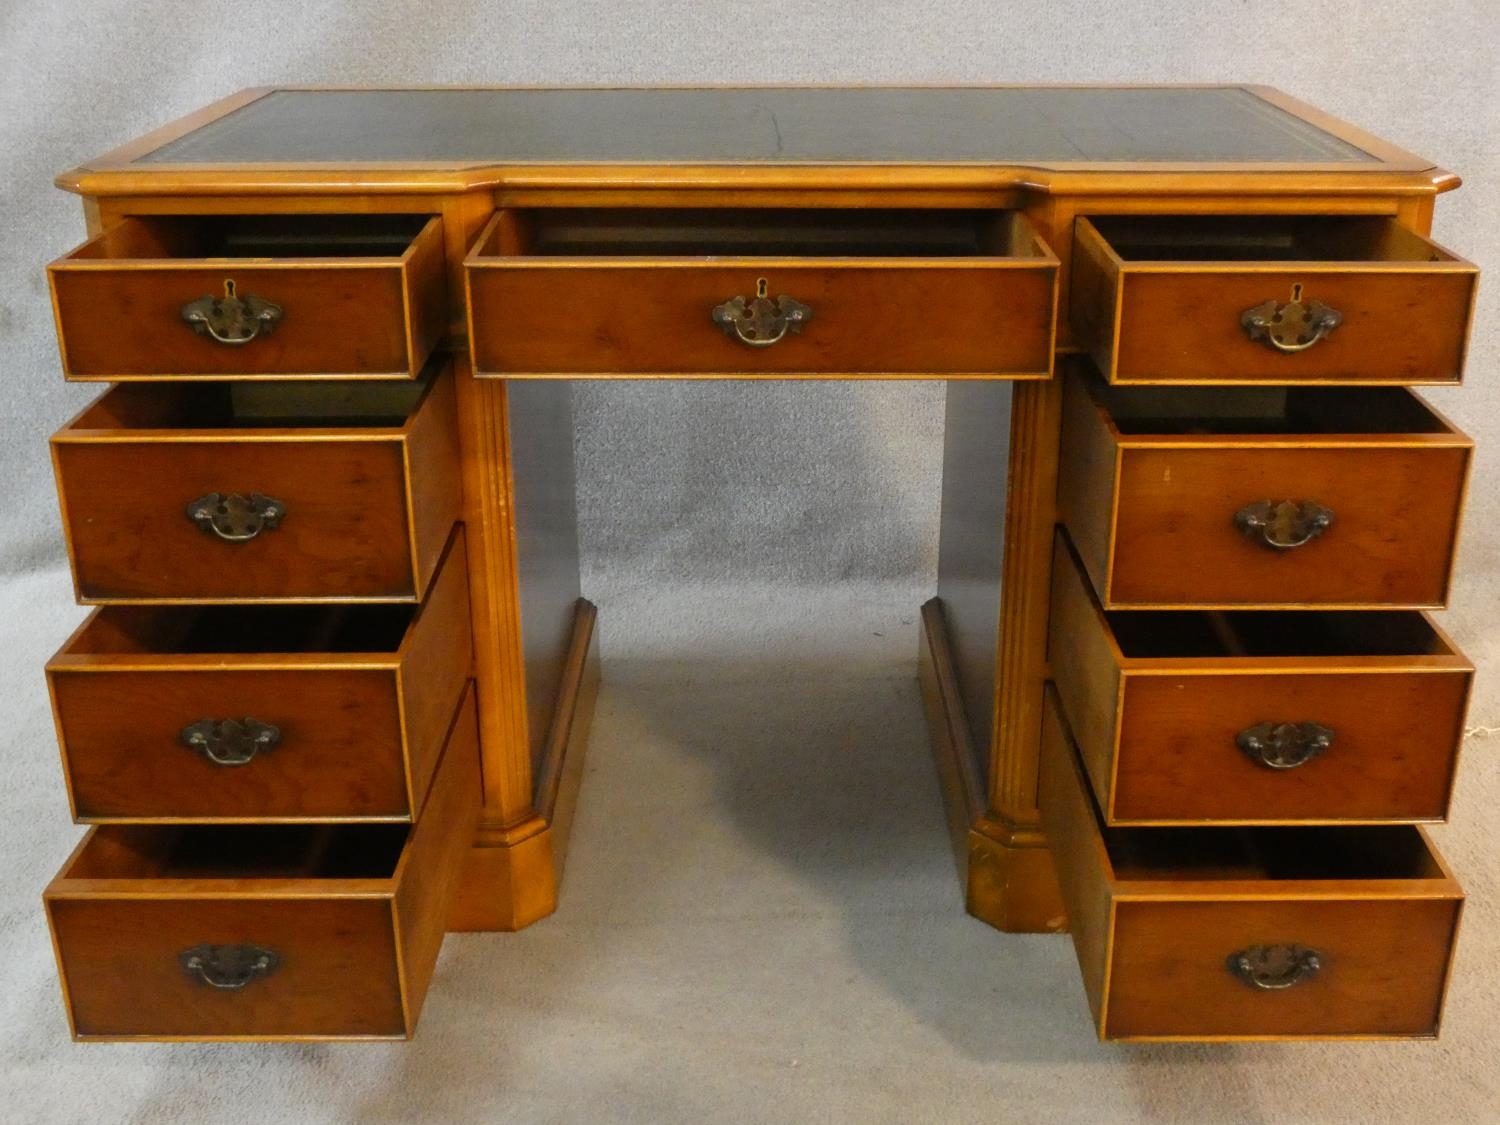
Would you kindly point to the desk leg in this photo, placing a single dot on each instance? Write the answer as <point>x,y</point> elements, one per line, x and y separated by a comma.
<point>513,873</point>
<point>1005,869</point>
<point>983,644</point>
<point>535,650</point>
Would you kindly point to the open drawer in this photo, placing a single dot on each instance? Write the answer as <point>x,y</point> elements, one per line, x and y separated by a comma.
<point>1248,933</point>
<point>1268,299</point>
<point>262,931</point>
<point>260,492</point>
<point>1296,716</point>
<point>261,713</point>
<point>579,293</point>
<point>252,296</point>
<point>1260,497</point>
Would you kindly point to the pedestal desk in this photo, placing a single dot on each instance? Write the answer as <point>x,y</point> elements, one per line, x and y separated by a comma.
<point>1183,696</point>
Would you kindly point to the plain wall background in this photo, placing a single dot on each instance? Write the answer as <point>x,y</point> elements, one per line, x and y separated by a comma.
<point>781,482</point>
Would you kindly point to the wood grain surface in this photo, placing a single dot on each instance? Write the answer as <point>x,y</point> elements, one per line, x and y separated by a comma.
<point>355,917</point>
<point>1159,299</point>
<point>119,297</point>
<point>1156,913</point>
<point>1156,711</point>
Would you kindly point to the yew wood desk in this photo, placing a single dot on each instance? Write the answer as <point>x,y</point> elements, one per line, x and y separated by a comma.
<point>1184,697</point>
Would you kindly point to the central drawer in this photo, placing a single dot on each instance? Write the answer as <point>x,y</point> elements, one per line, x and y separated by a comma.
<point>260,492</point>
<point>578,293</point>
<point>265,931</point>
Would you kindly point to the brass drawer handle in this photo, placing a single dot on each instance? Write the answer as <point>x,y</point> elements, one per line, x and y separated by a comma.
<point>1274,967</point>
<point>1283,525</point>
<point>760,321</point>
<point>235,518</point>
<point>232,319</point>
<point>1283,746</point>
<point>230,967</point>
<point>1292,327</point>
<point>230,742</point>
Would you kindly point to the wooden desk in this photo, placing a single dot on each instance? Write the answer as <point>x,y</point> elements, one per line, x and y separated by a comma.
<point>336,697</point>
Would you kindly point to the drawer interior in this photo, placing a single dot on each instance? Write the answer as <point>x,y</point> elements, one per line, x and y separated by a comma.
<point>760,232</point>
<point>240,851</point>
<point>1270,854</point>
<point>1265,410</point>
<point>1147,634</point>
<point>240,406</point>
<point>234,629</point>
<point>255,236</point>
<point>1264,238</point>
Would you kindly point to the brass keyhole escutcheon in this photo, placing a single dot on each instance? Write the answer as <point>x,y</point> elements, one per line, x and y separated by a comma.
<point>1292,327</point>
<point>761,321</point>
<point>231,319</point>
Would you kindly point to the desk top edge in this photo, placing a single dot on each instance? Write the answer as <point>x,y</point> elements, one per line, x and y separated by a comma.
<point>1355,160</point>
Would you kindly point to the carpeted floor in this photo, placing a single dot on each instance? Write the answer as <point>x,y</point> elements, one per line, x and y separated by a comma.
<point>760,922</point>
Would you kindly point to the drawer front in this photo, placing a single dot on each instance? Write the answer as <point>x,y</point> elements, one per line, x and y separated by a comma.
<point>121,963</point>
<point>1400,307</point>
<point>1382,969</point>
<point>344,533</point>
<point>361,514</point>
<point>127,741</point>
<point>1188,749</point>
<point>1187,934</point>
<point>1395,514</point>
<point>891,320</point>
<point>123,319</point>
<point>294,736</point>
<point>1260,497</point>
<point>1368,729</point>
<point>145,952</point>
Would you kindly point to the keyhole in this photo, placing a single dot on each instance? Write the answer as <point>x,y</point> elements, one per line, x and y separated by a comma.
<point>229,287</point>
<point>760,287</point>
<point>1296,294</point>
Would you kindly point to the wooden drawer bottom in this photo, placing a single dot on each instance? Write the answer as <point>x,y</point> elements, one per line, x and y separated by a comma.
<point>264,931</point>
<point>1248,933</point>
